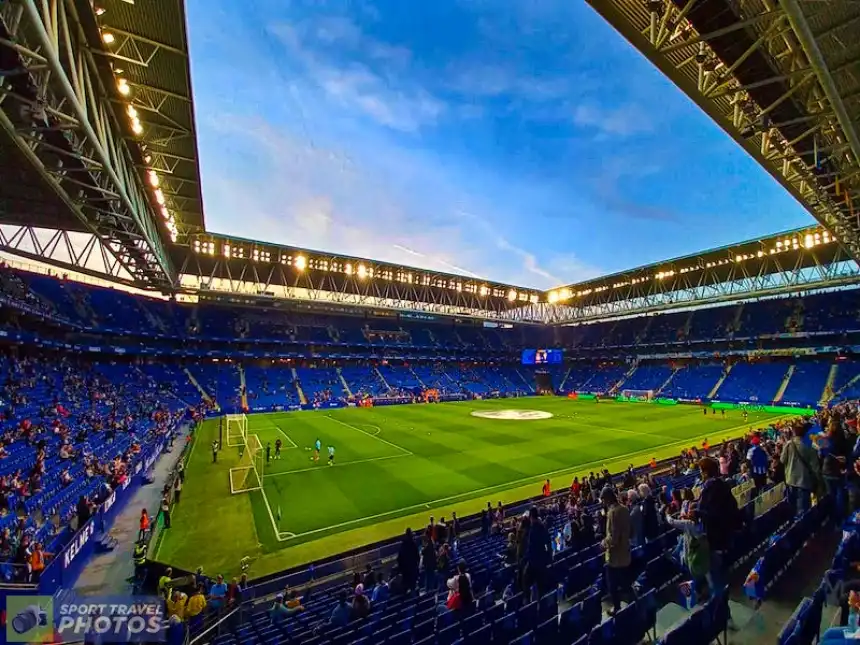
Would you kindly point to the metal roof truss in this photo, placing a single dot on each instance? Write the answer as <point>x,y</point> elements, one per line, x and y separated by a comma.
<point>59,90</point>
<point>775,275</point>
<point>775,83</point>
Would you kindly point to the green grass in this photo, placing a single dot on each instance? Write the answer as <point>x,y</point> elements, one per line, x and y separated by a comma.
<point>397,465</point>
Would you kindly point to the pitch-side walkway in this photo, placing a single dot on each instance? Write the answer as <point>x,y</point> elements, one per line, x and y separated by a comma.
<point>107,573</point>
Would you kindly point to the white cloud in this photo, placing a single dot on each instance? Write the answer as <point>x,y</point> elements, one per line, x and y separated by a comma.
<point>291,163</point>
<point>406,107</point>
<point>491,80</point>
<point>623,121</point>
<point>345,202</point>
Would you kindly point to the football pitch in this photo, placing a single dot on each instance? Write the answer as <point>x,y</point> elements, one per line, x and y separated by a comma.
<point>397,465</point>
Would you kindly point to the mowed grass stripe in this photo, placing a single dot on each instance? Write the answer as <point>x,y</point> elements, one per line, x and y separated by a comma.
<point>489,489</point>
<point>460,458</point>
<point>458,462</point>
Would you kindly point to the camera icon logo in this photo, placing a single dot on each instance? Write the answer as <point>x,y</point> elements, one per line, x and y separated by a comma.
<point>28,618</point>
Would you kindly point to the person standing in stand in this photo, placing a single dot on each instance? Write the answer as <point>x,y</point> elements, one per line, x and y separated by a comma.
<point>617,545</point>
<point>538,554</point>
<point>758,461</point>
<point>408,560</point>
<point>720,517</point>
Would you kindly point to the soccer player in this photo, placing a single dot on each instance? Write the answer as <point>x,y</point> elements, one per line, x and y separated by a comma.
<point>317,448</point>
<point>746,414</point>
<point>268,452</point>
<point>277,448</point>
<point>331,455</point>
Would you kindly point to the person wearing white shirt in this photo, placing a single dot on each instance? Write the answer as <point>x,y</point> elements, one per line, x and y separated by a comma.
<point>454,581</point>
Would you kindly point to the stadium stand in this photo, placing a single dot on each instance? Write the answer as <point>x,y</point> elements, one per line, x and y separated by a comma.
<point>568,609</point>
<point>115,412</point>
<point>692,382</point>
<point>752,382</point>
<point>74,432</point>
<point>270,387</point>
<point>806,386</point>
<point>648,377</point>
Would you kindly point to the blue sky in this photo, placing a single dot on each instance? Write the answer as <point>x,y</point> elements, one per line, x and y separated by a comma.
<point>517,140</point>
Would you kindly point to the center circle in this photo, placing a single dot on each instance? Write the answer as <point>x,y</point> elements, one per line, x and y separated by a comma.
<point>512,415</point>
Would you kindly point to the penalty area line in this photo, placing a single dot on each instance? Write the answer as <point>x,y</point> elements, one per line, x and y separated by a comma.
<point>474,494</point>
<point>371,435</point>
<point>287,437</point>
<point>336,465</point>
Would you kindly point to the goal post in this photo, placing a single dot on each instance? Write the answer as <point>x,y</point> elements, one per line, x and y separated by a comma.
<point>237,429</point>
<point>248,475</point>
<point>637,395</point>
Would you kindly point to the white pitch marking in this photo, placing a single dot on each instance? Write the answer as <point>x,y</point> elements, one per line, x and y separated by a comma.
<point>337,465</point>
<point>370,434</point>
<point>287,437</point>
<point>525,480</point>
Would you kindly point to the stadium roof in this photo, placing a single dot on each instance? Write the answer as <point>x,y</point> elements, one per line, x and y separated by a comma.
<point>780,76</point>
<point>149,44</point>
<point>219,263</point>
<point>801,259</point>
<point>101,142</point>
<point>114,158</point>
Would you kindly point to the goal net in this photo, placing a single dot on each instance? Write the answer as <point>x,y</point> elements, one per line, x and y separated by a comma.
<point>248,475</point>
<point>637,395</point>
<point>237,429</point>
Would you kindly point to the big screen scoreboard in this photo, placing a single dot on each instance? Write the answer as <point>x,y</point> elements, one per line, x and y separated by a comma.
<point>542,357</point>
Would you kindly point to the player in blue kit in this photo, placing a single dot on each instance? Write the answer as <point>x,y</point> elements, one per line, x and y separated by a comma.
<point>317,448</point>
